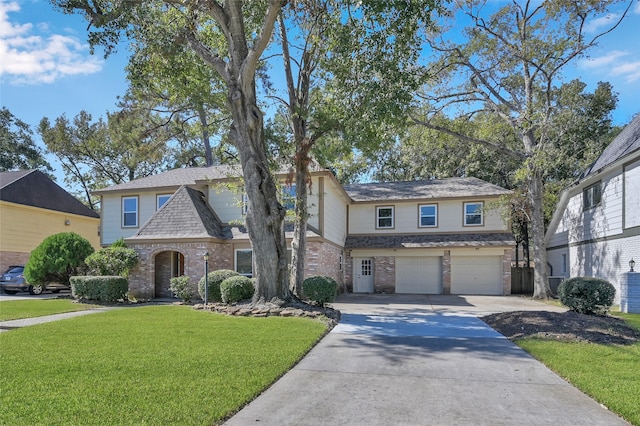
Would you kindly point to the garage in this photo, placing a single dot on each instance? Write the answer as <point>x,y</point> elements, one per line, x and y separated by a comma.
<point>476,275</point>
<point>422,275</point>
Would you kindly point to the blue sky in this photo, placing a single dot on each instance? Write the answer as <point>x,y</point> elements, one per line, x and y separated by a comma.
<point>46,69</point>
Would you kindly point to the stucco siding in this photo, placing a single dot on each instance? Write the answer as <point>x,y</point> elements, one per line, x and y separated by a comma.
<point>632,195</point>
<point>362,218</point>
<point>23,228</point>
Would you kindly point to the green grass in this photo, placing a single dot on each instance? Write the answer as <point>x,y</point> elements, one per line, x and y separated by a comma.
<point>19,309</point>
<point>153,365</point>
<point>607,373</point>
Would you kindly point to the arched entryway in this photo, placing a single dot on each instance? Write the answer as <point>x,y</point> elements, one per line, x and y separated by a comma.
<point>168,264</point>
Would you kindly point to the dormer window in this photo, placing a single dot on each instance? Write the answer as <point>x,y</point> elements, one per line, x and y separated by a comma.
<point>592,196</point>
<point>384,217</point>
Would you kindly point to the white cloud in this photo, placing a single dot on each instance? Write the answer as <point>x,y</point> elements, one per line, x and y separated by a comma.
<point>32,58</point>
<point>636,9</point>
<point>613,64</point>
<point>603,61</point>
<point>602,23</point>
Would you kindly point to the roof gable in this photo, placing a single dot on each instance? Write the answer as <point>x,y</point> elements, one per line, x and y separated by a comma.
<point>34,188</point>
<point>425,189</point>
<point>185,215</point>
<point>627,142</point>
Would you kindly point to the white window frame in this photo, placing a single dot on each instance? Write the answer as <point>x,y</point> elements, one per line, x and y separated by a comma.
<point>378,217</point>
<point>161,196</point>
<point>592,196</point>
<point>136,211</point>
<point>467,215</point>
<point>245,203</point>
<point>420,216</point>
<point>235,261</point>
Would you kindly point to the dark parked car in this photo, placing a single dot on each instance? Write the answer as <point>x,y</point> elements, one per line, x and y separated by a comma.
<point>12,281</point>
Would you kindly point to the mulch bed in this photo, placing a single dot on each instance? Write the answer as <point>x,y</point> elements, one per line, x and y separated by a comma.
<point>563,326</point>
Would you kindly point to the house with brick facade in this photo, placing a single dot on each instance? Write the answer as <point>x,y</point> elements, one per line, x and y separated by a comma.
<point>595,229</point>
<point>437,236</point>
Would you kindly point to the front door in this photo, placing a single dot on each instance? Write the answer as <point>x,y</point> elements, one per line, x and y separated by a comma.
<point>363,275</point>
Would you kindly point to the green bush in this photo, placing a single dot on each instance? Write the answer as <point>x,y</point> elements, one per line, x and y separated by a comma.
<point>587,295</point>
<point>103,288</point>
<point>118,243</point>
<point>112,261</point>
<point>181,288</point>
<point>215,279</point>
<point>320,289</point>
<point>57,258</point>
<point>235,289</point>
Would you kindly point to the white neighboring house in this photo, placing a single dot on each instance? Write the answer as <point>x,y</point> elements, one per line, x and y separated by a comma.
<point>595,230</point>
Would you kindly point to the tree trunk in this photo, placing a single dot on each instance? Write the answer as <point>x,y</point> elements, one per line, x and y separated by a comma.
<point>541,288</point>
<point>202,114</point>
<point>265,214</point>
<point>299,242</point>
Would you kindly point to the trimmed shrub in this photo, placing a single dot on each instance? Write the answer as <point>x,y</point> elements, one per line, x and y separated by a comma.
<point>215,279</point>
<point>57,258</point>
<point>181,288</point>
<point>320,289</point>
<point>235,289</point>
<point>118,243</point>
<point>587,295</point>
<point>103,288</point>
<point>112,261</point>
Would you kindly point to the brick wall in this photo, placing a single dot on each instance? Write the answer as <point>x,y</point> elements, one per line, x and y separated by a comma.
<point>384,274</point>
<point>446,272</point>
<point>324,259</point>
<point>10,258</point>
<point>142,278</point>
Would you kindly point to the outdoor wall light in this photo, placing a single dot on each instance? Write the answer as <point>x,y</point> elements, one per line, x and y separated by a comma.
<point>67,222</point>
<point>632,263</point>
<point>206,277</point>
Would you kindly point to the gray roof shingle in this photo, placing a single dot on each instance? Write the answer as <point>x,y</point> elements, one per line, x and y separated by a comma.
<point>34,188</point>
<point>498,239</point>
<point>185,215</point>
<point>176,178</point>
<point>424,189</point>
<point>627,142</point>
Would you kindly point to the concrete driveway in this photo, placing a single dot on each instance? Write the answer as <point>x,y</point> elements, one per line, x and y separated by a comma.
<point>422,360</point>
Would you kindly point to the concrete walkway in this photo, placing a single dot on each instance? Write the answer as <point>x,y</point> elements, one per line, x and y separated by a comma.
<point>19,323</point>
<point>418,360</point>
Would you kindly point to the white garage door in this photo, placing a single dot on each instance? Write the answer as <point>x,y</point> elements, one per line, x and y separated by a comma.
<point>476,275</point>
<point>420,275</point>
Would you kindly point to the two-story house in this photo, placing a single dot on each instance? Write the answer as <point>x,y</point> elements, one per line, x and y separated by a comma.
<point>595,229</point>
<point>440,236</point>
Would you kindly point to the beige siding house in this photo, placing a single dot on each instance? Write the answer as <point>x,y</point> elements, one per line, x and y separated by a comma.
<point>33,207</point>
<point>441,236</point>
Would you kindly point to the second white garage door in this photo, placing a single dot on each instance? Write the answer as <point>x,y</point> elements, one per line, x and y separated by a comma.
<point>422,275</point>
<point>476,275</point>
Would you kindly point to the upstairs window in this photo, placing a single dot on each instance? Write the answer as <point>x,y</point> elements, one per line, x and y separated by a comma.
<point>384,217</point>
<point>289,196</point>
<point>473,214</point>
<point>591,196</point>
<point>161,200</point>
<point>428,215</point>
<point>129,212</point>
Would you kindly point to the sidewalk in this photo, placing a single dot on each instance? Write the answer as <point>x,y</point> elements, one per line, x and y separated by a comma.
<point>19,323</point>
<point>421,361</point>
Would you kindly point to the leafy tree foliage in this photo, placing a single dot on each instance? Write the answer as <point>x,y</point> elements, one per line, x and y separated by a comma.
<point>57,258</point>
<point>18,151</point>
<point>508,64</point>
<point>112,261</point>
<point>131,144</point>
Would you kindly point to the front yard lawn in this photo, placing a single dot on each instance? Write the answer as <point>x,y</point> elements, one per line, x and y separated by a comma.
<point>607,373</point>
<point>19,309</point>
<point>145,365</point>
